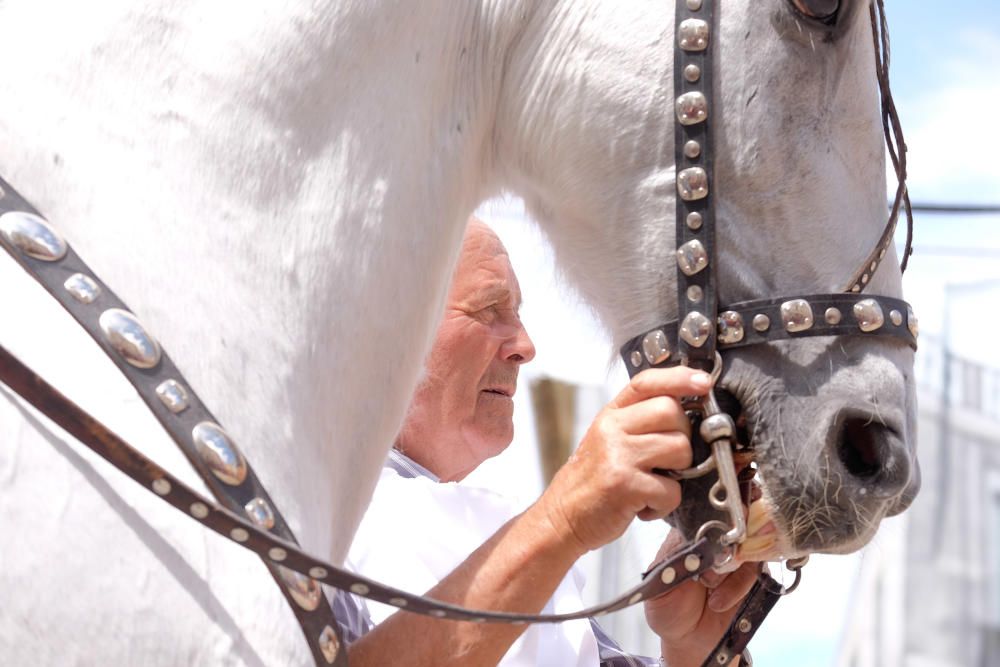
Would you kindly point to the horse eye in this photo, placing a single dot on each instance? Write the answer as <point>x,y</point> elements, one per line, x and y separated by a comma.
<point>817,10</point>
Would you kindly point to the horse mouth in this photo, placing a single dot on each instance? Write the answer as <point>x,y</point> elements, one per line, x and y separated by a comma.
<point>763,541</point>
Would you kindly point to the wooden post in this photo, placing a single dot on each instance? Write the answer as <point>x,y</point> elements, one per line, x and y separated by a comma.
<point>554,403</point>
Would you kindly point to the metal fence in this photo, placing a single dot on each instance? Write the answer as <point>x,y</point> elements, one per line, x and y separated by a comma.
<point>971,385</point>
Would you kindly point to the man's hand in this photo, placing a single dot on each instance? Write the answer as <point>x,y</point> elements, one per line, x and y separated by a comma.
<point>609,480</point>
<point>692,618</point>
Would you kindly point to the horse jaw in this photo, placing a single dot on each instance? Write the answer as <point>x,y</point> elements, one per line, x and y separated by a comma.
<point>800,191</point>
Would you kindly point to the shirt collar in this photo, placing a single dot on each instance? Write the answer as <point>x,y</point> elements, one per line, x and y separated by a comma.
<point>407,467</point>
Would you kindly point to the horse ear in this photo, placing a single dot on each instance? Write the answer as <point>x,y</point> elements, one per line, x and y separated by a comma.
<point>817,10</point>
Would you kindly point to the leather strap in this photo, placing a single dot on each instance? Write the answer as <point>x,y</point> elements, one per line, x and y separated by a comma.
<point>162,388</point>
<point>694,163</point>
<point>277,552</point>
<point>762,321</point>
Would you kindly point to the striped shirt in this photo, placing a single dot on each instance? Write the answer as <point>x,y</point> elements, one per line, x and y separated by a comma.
<point>355,620</point>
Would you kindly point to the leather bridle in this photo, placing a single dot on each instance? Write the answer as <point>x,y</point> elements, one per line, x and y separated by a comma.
<point>245,514</point>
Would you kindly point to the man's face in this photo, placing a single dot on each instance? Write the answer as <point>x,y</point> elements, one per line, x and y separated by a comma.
<point>461,413</point>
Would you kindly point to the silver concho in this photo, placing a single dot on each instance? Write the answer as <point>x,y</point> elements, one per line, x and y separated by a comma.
<point>260,513</point>
<point>329,645</point>
<point>730,327</point>
<point>691,108</point>
<point>219,453</point>
<point>868,313</point>
<point>833,315</point>
<point>129,338</point>
<point>33,236</point>
<point>654,346</point>
<point>305,591</point>
<point>173,395</point>
<point>912,322</point>
<point>796,315</point>
<point>692,35</point>
<point>692,257</point>
<point>82,288</point>
<point>695,329</point>
<point>692,184</point>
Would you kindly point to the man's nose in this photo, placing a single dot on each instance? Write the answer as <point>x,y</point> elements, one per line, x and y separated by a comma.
<point>519,347</point>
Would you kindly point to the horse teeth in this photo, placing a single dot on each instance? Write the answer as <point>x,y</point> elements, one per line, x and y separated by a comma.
<point>758,518</point>
<point>757,548</point>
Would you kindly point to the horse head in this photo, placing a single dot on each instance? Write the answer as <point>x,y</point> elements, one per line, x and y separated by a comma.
<point>800,195</point>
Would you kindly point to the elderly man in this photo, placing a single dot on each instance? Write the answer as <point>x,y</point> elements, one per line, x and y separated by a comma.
<point>468,546</point>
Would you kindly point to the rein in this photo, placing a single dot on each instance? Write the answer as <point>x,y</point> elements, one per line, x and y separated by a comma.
<point>243,512</point>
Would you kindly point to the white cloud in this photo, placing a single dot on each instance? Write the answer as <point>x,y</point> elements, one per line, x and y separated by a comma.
<point>953,129</point>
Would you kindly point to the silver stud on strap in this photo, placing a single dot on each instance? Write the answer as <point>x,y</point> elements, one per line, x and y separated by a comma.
<point>260,513</point>
<point>695,329</point>
<point>796,315</point>
<point>636,358</point>
<point>692,257</point>
<point>329,645</point>
<point>654,346</point>
<point>730,327</point>
<point>692,184</point>
<point>277,554</point>
<point>318,572</point>
<point>82,288</point>
<point>126,335</point>
<point>833,316</point>
<point>199,510</point>
<point>912,322</point>
<point>173,395</point>
<point>33,236</point>
<point>694,5</point>
<point>895,317</point>
<point>691,108</point>
<point>761,322</point>
<point>305,591</point>
<point>694,221</point>
<point>668,576</point>
<point>694,293</point>
<point>692,35</point>
<point>219,453</point>
<point>161,486</point>
<point>868,313</point>
<point>692,562</point>
<point>692,73</point>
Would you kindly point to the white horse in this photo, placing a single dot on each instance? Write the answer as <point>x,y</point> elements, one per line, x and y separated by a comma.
<point>278,189</point>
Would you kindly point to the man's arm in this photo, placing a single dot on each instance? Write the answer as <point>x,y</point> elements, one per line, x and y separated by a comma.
<point>592,499</point>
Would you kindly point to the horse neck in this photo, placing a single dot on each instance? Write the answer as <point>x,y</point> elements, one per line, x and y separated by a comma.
<point>280,195</point>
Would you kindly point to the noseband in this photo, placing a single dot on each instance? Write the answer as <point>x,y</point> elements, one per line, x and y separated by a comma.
<point>245,515</point>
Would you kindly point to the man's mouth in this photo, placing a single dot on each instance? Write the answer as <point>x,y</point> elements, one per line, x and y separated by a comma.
<point>506,393</point>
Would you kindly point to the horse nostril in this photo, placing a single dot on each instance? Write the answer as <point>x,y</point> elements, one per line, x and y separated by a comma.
<point>860,447</point>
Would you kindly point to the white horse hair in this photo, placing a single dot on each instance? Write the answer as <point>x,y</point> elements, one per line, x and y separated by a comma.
<point>279,189</point>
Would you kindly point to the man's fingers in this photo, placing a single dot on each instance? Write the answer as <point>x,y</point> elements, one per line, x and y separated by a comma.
<point>661,495</point>
<point>735,587</point>
<point>677,381</point>
<point>659,413</point>
<point>667,451</point>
